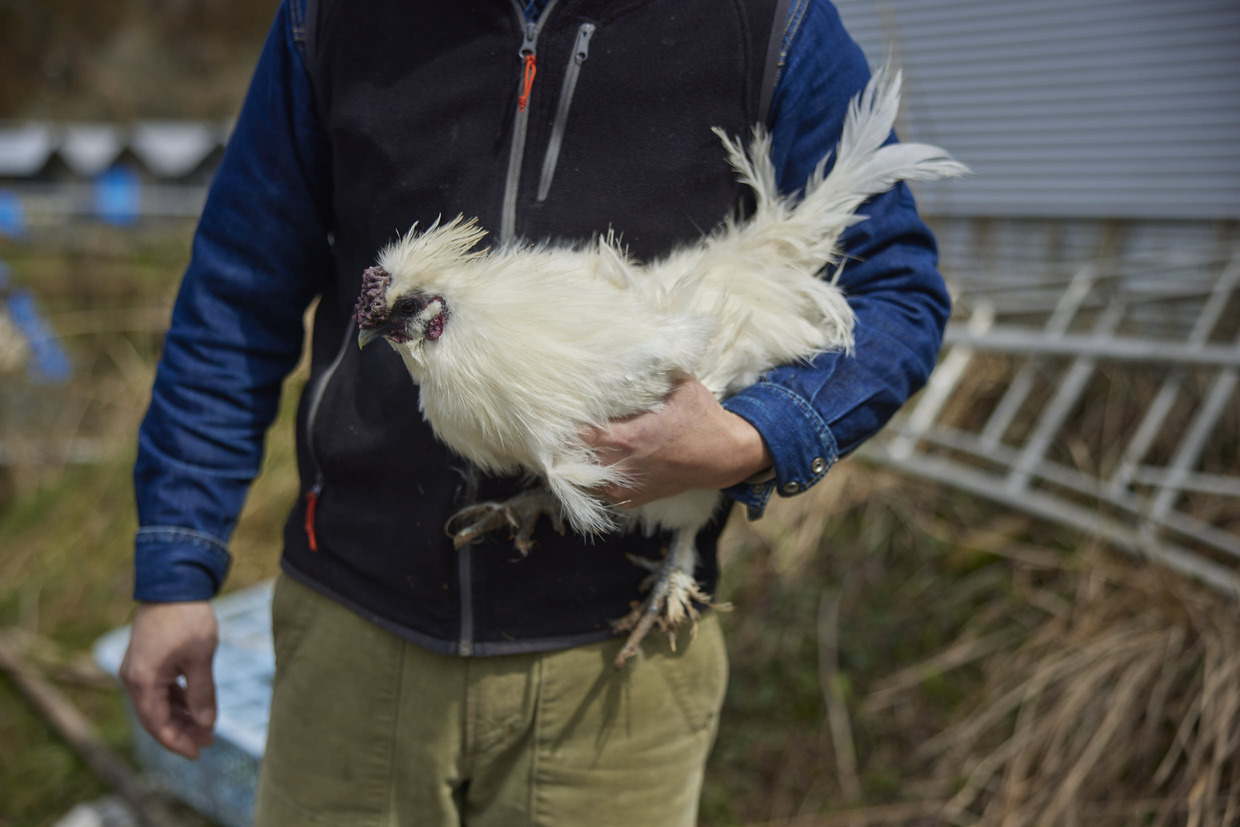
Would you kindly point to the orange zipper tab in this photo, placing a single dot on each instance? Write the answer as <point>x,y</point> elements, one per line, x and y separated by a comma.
<point>531,68</point>
<point>312,504</point>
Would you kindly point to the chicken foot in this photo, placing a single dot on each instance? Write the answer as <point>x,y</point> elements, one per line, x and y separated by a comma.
<point>519,514</point>
<point>672,598</point>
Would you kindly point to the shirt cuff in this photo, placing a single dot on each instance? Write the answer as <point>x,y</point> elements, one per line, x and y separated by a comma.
<point>802,447</point>
<point>178,564</point>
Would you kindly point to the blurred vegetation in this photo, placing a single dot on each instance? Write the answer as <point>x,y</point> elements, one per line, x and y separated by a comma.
<point>77,59</point>
<point>66,529</point>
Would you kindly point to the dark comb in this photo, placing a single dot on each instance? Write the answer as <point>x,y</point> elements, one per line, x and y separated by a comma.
<point>371,309</point>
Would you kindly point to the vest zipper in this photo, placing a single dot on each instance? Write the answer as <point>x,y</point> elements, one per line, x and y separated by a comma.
<point>465,572</point>
<point>584,33</point>
<point>312,414</point>
<point>529,60</point>
<point>507,229</point>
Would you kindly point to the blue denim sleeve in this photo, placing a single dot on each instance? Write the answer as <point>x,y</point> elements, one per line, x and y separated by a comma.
<point>810,415</point>
<point>260,254</point>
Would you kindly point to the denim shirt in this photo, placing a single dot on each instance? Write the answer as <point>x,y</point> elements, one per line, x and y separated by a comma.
<point>261,254</point>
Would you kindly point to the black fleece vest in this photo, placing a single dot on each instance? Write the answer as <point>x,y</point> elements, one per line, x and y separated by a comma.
<point>420,102</point>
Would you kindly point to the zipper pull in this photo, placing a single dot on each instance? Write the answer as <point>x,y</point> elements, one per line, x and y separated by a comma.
<point>583,42</point>
<point>527,54</point>
<point>531,68</point>
<point>312,504</point>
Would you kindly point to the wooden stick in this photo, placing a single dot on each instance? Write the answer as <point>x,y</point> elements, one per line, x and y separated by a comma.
<point>79,733</point>
<point>837,707</point>
<point>57,664</point>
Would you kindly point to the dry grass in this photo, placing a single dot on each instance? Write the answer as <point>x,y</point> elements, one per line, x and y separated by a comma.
<point>1008,680</point>
<point>1122,706</point>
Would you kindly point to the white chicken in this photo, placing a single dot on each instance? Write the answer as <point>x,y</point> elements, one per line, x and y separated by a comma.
<point>517,348</point>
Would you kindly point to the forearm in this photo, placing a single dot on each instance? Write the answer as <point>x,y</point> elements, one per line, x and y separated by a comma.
<point>811,414</point>
<point>260,254</point>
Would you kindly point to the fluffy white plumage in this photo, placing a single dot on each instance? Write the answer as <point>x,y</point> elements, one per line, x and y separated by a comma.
<point>516,348</point>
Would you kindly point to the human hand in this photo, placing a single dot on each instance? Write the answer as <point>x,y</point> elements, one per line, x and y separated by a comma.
<point>172,641</point>
<point>690,442</point>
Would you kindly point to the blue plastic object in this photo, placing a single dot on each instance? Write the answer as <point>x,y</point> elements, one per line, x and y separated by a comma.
<point>49,364</point>
<point>12,215</point>
<point>118,196</point>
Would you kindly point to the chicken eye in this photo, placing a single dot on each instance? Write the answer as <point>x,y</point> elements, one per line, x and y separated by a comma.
<point>407,306</point>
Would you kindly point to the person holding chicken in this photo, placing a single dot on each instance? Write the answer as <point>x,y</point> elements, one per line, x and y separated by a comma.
<point>419,683</point>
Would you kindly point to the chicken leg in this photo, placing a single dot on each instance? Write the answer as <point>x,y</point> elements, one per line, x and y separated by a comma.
<point>519,514</point>
<point>672,599</point>
<point>674,594</point>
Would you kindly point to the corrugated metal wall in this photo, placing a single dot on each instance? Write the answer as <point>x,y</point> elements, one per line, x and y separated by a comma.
<point>1068,108</point>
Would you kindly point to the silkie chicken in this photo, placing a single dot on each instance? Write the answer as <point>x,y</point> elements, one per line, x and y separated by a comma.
<point>614,335</point>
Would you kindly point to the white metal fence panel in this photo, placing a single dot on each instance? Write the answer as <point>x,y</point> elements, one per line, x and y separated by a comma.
<point>1107,401</point>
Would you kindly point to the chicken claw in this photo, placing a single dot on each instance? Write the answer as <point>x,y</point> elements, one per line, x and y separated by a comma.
<point>519,514</point>
<point>674,597</point>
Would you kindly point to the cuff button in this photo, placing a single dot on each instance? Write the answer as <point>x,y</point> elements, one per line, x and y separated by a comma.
<point>791,488</point>
<point>819,466</point>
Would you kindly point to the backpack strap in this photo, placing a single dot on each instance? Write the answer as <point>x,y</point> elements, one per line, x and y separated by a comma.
<point>305,18</point>
<point>781,28</point>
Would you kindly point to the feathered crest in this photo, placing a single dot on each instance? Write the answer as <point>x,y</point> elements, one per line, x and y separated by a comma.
<point>439,246</point>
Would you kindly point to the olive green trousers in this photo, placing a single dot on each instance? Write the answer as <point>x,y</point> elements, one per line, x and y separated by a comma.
<point>370,730</point>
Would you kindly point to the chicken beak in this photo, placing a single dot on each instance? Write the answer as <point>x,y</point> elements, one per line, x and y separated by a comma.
<point>365,337</point>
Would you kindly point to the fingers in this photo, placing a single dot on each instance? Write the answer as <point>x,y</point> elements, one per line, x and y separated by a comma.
<point>185,731</point>
<point>177,730</point>
<point>626,491</point>
<point>200,693</point>
<point>162,710</point>
<point>611,444</point>
<point>167,673</point>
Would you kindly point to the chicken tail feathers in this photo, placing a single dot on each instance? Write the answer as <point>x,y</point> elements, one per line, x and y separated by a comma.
<point>865,164</point>
<point>754,169</point>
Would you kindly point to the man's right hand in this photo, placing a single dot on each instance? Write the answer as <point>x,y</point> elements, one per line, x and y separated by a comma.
<point>172,641</point>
